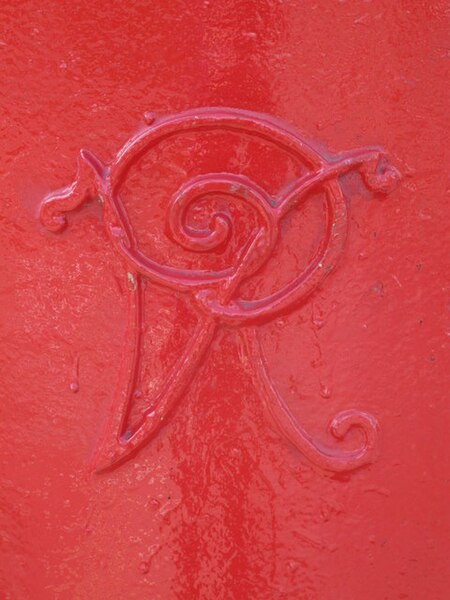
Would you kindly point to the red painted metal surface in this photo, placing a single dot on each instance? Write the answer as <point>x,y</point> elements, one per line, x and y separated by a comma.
<point>224,359</point>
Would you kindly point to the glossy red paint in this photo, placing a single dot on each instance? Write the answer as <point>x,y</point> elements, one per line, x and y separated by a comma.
<point>171,359</point>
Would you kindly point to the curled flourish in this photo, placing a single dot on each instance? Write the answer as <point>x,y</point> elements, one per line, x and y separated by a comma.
<point>379,175</point>
<point>367,424</point>
<point>55,206</point>
<point>332,459</point>
<point>219,229</point>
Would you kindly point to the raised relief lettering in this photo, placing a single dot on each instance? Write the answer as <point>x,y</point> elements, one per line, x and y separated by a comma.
<point>216,293</point>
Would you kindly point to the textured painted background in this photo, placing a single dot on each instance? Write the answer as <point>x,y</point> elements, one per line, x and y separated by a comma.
<point>218,506</point>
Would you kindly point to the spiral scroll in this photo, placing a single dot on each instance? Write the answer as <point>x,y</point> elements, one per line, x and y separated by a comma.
<point>215,293</point>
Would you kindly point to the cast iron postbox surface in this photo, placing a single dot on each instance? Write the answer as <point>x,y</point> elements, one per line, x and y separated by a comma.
<point>224,300</point>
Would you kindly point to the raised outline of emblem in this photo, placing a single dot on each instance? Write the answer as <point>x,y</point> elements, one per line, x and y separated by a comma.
<point>214,292</point>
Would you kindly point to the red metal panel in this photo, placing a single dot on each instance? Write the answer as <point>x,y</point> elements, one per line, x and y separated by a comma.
<point>224,344</point>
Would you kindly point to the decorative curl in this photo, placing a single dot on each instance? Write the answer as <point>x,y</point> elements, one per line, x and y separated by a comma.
<point>331,459</point>
<point>380,176</point>
<point>220,226</point>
